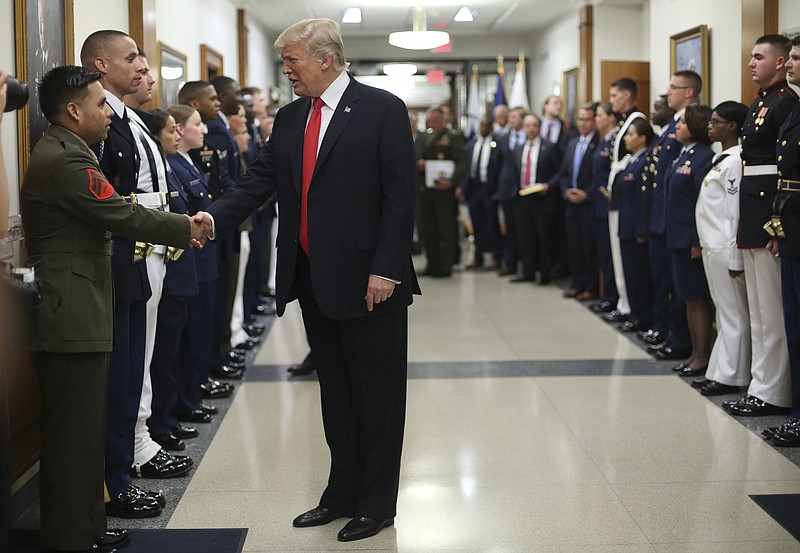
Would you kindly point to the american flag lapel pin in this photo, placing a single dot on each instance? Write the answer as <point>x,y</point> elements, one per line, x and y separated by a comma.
<point>347,109</point>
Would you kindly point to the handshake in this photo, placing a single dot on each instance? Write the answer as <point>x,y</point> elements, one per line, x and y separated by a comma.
<point>202,229</point>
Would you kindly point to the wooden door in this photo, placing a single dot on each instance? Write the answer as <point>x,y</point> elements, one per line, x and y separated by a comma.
<point>639,71</point>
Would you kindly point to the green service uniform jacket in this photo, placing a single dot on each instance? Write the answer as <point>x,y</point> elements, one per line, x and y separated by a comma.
<point>69,211</point>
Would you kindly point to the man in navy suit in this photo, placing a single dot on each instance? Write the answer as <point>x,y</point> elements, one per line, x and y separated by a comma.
<point>341,159</point>
<point>575,179</point>
<point>507,187</point>
<point>477,189</point>
<point>536,161</point>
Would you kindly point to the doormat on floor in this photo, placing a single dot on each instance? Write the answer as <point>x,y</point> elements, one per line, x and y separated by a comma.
<point>206,540</point>
<point>784,508</point>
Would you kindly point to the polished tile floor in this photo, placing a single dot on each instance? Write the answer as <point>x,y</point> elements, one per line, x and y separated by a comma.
<point>532,427</point>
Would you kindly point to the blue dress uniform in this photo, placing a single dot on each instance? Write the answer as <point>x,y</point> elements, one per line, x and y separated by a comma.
<point>669,312</point>
<point>599,200</point>
<point>180,284</point>
<point>478,189</point>
<point>683,182</point>
<point>629,192</point>
<point>197,344</point>
<point>788,203</point>
<point>119,161</point>
<point>770,367</point>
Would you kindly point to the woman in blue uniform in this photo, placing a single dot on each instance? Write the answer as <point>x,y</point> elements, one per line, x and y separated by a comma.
<point>683,185</point>
<point>629,190</point>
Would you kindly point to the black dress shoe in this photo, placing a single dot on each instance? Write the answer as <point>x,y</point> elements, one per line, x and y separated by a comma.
<point>718,389</point>
<point>751,406</point>
<point>112,538</point>
<point>169,441</point>
<point>208,409</point>
<point>163,465</point>
<point>234,356</point>
<point>253,329</point>
<point>689,372</point>
<point>602,307</point>
<point>363,527</point>
<point>154,496</point>
<point>678,367</point>
<point>652,337</point>
<point>265,309</point>
<point>247,345</point>
<point>787,434</point>
<point>699,383</point>
<point>653,348</point>
<point>301,369</point>
<point>213,389</point>
<point>770,431</point>
<point>184,432</point>
<point>132,503</point>
<point>668,354</point>
<point>318,516</point>
<point>195,415</point>
<point>615,317</point>
<point>224,371</point>
<point>631,326</point>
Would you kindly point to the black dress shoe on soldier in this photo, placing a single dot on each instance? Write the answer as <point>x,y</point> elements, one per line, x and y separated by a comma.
<point>132,503</point>
<point>668,354</point>
<point>170,442</point>
<point>247,345</point>
<point>195,415</point>
<point>699,383</point>
<point>318,516</point>
<point>163,465</point>
<point>678,367</point>
<point>652,337</point>
<point>154,496</point>
<point>237,357</point>
<point>112,538</point>
<point>214,389</point>
<point>771,431</point>
<point>718,389</point>
<point>184,432</point>
<point>631,326</point>
<point>689,372</point>
<point>208,409</point>
<point>363,527</point>
<point>615,317</point>
<point>602,307</point>
<point>224,371</point>
<point>751,406</point>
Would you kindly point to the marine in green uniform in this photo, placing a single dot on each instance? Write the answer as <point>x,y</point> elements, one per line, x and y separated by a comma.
<point>438,201</point>
<point>69,210</point>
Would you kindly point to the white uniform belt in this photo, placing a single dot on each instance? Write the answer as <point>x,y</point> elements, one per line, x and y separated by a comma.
<point>760,170</point>
<point>151,200</point>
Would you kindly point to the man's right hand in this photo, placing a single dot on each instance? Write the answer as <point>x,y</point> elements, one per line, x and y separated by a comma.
<point>202,229</point>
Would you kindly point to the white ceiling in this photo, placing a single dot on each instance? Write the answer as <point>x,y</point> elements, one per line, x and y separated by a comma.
<point>380,17</point>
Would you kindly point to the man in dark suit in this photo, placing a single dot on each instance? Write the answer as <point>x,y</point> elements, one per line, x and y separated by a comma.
<point>477,190</point>
<point>575,178</point>
<point>68,208</point>
<point>507,187</point>
<point>536,163</point>
<point>342,162</point>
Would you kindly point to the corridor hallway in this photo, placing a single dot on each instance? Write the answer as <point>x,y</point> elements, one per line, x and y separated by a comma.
<point>532,426</point>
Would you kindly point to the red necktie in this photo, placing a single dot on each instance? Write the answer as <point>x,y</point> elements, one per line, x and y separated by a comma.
<point>547,131</point>
<point>310,142</point>
<point>527,181</point>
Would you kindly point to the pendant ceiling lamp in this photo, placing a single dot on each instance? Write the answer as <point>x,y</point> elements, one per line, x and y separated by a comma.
<point>420,38</point>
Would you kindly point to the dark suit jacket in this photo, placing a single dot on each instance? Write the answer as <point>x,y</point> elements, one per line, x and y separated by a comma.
<point>469,185</point>
<point>546,169</point>
<point>683,185</point>
<point>507,184</point>
<point>360,201</point>
<point>566,134</point>
<point>119,161</point>
<point>198,197</point>
<point>585,169</point>
<point>181,277</point>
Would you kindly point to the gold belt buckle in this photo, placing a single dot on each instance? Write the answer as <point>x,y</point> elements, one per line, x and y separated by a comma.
<point>173,253</point>
<point>142,250</point>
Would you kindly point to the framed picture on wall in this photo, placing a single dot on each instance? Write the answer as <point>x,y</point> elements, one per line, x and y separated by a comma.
<point>569,91</point>
<point>172,70</point>
<point>211,63</point>
<point>689,50</point>
<point>44,38</point>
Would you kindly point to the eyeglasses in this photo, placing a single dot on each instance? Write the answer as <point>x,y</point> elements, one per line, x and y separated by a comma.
<point>678,87</point>
<point>714,122</point>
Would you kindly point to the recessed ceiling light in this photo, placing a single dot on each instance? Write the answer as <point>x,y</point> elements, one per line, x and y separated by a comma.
<point>464,14</point>
<point>352,15</point>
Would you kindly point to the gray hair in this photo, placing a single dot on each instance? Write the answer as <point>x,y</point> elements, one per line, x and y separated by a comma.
<point>324,39</point>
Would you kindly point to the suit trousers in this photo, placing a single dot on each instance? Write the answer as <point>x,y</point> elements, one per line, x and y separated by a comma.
<point>362,369</point>
<point>125,378</point>
<point>144,448</point>
<point>73,387</point>
<point>484,222</point>
<point>510,246</point>
<point>730,357</point>
<point>535,235</point>
<point>790,282</point>
<point>770,367</point>
<point>173,315</point>
<point>604,260</point>
<point>255,274</point>
<point>669,312</point>
<point>581,247</point>
<point>198,346</point>
<point>623,306</point>
<point>439,228</point>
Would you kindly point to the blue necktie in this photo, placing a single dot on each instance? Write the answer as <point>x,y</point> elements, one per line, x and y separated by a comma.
<point>576,160</point>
